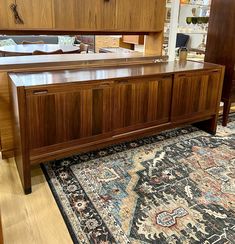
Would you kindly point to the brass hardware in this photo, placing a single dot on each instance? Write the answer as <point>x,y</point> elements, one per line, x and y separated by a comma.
<point>40,92</point>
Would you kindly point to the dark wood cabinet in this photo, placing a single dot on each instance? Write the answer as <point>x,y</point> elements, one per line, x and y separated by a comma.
<point>73,16</point>
<point>220,48</point>
<point>68,112</point>
<point>195,94</point>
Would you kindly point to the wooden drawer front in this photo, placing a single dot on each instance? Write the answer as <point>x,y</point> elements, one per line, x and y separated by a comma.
<point>61,117</point>
<point>195,94</point>
<point>141,102</point>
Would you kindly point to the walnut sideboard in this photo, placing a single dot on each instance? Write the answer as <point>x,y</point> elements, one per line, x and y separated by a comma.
<point>61,113</point>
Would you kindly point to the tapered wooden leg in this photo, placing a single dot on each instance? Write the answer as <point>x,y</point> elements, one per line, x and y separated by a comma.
<point>209,126</point>
<point>227,106</point>
<point>24,171</point>
<point>27,190</point>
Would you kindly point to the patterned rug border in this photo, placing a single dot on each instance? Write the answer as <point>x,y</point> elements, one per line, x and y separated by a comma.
<point>125,148</point>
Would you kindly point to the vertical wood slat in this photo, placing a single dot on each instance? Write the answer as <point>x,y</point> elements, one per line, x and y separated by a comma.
<point>195,94</point>
<point>86,113</point>
<point>142,101</point>
<point>69,115</point>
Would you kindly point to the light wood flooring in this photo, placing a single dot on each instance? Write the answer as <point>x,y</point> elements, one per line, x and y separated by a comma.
<point>34,218</point>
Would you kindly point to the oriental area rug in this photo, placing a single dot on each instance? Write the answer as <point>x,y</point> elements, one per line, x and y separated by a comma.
<point>174,187</point>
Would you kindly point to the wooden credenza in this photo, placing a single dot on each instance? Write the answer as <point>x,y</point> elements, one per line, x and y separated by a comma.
<point>60,113</point>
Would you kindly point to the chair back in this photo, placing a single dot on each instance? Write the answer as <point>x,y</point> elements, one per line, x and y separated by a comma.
<point>38,52</point>
<point>182,40</point>
<point>28,42</point>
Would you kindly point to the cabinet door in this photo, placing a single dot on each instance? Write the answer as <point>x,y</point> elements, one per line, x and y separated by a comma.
<point>141,102</point>
<point>139,15</point>
<point>91,15</point>
<point>195,94</point>
<point>60,117</point>
<point>34,13</point>
<point>4,13</point>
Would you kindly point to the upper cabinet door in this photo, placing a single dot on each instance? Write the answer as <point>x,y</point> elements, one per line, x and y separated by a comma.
<point>95,15</point>
<point>34,13</point>
<point>4,12</point>
<point>139,15</point>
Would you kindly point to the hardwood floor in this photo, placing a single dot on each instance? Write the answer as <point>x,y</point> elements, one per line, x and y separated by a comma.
<point>33,218</point>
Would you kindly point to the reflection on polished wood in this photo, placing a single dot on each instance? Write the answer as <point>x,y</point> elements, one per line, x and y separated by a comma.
<point>39,63</point>
<point>29,49</point>
<point>106,73</point>
<point>48,16</point>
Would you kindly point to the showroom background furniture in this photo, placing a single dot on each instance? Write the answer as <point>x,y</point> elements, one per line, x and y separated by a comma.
<point>220,47</point>
<point>18,39</point>
<point>29,49</point>
<point>182,40</point>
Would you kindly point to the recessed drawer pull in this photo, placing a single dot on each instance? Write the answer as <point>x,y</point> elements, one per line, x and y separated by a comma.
<point>122,81</point>
<point>40,92</point>
<point>105,84</point>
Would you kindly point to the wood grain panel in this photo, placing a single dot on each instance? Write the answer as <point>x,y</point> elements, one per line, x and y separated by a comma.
<point>141,101</point>
<point>5,115</point>
<point>90,14</point>
<point>132,39</point>
<point>136,15</point>
<point>68,116</point>
<point>4,13</point>
<point>34,13</point>
<point>194,94</point>
<point>41,110</point>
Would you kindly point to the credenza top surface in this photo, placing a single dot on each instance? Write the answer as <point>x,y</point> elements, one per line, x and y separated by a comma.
<point>37,61</point>
<point>106,73</point>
